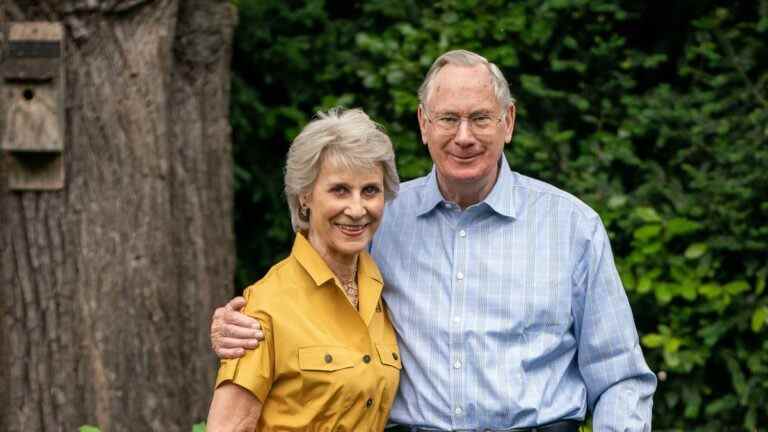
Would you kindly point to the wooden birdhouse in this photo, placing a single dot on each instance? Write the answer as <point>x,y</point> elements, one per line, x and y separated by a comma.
<point>33,122</point>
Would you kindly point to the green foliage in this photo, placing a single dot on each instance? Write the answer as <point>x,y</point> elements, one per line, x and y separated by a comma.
<point>654,114</point>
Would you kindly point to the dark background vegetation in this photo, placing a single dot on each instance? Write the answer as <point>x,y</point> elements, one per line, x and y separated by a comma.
<point>654,113</point>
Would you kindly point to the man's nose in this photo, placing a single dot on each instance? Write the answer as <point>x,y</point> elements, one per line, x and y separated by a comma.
<point>464,132</point>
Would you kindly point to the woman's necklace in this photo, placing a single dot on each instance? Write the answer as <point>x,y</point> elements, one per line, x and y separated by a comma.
<point>350,288</point>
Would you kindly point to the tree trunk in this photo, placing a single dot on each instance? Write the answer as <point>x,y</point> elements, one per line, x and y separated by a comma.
<point>106,286</point>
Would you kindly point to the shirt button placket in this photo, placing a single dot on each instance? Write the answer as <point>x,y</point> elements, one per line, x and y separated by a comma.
<point>459,294</point>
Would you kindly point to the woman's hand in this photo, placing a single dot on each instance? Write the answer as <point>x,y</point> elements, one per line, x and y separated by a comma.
<point>233,332</point>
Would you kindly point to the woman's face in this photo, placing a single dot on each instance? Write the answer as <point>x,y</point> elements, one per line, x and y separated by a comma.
<point>345,206</point>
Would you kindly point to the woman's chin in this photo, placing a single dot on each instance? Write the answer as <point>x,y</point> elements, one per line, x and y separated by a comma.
<point>352,247</point>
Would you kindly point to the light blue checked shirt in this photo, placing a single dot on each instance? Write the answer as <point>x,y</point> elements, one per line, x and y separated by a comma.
<point>510,313</point>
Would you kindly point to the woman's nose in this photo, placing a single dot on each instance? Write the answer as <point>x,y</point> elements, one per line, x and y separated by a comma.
<point>355,209</point>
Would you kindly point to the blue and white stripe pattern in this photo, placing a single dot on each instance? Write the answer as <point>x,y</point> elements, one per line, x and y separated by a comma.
<point>510,313</point>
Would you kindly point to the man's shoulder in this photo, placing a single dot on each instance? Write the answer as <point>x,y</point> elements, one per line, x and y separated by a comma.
<point>413,186</point>
<point>534,189</point>
<point>409,193</point>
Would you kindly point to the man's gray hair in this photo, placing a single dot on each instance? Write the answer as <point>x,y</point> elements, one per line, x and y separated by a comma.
<point>347,138</point>
<point>467,58</point>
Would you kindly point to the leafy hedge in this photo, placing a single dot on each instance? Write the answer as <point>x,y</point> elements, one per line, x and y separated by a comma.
<point>655,114</point>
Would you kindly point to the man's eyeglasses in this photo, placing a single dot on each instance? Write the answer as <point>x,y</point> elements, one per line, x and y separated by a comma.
<point>479,122</point>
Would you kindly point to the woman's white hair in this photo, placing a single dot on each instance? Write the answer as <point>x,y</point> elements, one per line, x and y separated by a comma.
<point>349,139</point>
<point>467,58</point>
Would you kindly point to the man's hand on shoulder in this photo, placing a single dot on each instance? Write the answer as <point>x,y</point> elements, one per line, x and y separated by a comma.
<point>232,332</point>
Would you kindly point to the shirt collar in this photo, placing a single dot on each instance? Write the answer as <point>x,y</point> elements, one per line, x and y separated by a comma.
<point>319,271</point>
<point>501,198</point>
<point>430,195</point>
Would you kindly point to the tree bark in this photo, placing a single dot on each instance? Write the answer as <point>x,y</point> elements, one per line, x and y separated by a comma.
<point>106,286</point>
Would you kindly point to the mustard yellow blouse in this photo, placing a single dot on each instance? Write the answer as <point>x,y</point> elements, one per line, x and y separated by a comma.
<point>322,365</point>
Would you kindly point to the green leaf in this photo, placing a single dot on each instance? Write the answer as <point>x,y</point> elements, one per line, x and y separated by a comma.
<point>651,248</point>
<point>664,292</point>
<point>737,287</point>
<point>710,290</point>
<point>647,214</point>
<point>681,226</point>
<point>760,285</point>
<point>672,359</point>
<point>693,401</point>
<point>88,428</point>
<point>696,250</point>
<point>738,380</point>
<point>750,420</point>
<point>644,285</point>
<point>617,201</point>
<point>759,319</point>
<point>722,404</point>
<point>688,290</point>
<point>712,333</point>
<point>672,344</point>
<point>646,232</point>
<point>653,340</point>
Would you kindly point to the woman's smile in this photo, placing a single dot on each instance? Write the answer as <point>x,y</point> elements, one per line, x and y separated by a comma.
<point>352,230</point>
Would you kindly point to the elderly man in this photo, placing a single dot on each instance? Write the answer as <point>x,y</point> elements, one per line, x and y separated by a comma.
<point>508,307</point>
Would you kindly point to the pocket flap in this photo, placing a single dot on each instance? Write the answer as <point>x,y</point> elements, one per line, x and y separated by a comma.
<point>389,355</point>
<point>325,358</point>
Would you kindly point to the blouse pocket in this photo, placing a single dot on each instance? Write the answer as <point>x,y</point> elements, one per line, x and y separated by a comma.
<point>325,358</point>
<point>389,355</point>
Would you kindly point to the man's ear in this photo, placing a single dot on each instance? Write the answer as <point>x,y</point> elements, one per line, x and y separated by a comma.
<point>510,123</point>
<point>422,124</point>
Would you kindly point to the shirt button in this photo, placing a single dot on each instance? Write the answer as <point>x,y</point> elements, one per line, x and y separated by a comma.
<point>369,403</point>
<point>456,319</point>
<point>328,358</point>
<point>458,411</point>
<point>457,364</point>
<point>462,233</point>
<point>459,275</point>
<point>366,358</point>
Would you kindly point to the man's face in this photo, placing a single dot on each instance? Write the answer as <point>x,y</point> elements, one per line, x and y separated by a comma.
<point>468,157</point>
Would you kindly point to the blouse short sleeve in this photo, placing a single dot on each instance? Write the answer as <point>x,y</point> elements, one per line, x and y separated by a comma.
<point>254,371</point>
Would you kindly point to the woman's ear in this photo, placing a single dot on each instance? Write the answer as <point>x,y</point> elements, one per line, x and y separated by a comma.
<point>305,199</point>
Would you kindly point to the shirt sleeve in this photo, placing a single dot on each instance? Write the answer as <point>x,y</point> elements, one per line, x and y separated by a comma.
<point>620,385</point>
<point>254,371</point>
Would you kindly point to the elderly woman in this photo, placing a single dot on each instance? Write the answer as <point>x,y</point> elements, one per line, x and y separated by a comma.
<point>329,360</point>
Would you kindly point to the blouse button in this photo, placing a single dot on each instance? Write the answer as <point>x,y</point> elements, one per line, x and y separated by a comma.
<point>366,358</point>
<point>394,356</point>
<point>328,358</point>
<point>369,403</point>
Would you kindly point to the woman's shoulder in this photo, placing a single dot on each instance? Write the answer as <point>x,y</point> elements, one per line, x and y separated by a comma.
<point>280,282</point>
